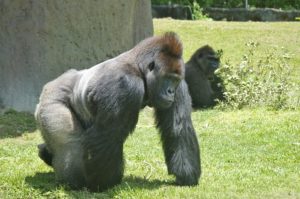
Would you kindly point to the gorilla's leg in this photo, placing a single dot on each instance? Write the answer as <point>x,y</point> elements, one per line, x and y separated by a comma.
<point>61,131</point>
<point>179,140</point>
<point>44,154</point>
<point>68,165</point>
<point>103,158</point>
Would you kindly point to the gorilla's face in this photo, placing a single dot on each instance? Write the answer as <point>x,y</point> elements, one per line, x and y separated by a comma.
<point>162,84</point>
<point>209,62</point>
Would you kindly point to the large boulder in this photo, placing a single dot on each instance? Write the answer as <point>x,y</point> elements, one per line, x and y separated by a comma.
<point>41,39</point>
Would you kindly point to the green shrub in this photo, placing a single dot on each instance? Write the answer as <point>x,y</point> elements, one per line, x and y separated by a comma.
<point>197,12</point>
<point>259,80</point>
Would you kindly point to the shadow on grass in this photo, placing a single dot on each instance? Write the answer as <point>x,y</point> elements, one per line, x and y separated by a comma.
<point>14,124</point>
<point>46,183</point>
<point>43,181</point>
<point>141,183</point>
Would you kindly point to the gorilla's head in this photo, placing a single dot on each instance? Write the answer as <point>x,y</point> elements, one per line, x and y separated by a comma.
<point>164,72</point>
<point>207,60</point>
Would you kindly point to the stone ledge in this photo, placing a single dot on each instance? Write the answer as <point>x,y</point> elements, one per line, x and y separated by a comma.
<point>257,14</point>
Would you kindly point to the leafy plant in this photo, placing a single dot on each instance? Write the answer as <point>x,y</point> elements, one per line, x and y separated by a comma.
<point>197,12</point>
<point>258,80</point>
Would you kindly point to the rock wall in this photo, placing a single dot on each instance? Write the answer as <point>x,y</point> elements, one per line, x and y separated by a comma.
<point>39,40</point>
<point>257,14</point>
<point>172,10</point>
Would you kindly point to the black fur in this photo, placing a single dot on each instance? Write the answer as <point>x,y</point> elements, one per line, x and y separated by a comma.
<point>179,140</point>
<point>85,116</point>
<point>205,87</point>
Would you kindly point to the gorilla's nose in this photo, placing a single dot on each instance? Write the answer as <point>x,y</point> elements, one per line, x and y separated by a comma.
<point>170,91</point>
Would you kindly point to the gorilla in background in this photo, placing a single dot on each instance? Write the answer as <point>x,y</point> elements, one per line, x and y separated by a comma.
<point>85,116</point>
<point>204,86</point>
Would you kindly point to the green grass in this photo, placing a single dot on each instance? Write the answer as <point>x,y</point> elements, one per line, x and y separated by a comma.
<point>245,154</point>
<point>249,153</point>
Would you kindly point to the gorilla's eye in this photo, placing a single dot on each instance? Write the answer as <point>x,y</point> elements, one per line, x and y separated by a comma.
<point>151,66</point>
<point>200,55</point>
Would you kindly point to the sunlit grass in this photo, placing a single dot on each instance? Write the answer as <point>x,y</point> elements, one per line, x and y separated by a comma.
<point>247,153</point>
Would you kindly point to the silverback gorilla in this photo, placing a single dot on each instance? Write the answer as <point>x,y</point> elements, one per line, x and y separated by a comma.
<point>204,86</point>
<point>85,116</point>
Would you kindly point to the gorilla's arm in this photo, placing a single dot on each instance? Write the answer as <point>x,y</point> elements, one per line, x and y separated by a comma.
<point>103,141</point>
<point>179,140</point>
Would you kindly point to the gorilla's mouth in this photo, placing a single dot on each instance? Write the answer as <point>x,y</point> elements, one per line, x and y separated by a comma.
<point>164,102</point>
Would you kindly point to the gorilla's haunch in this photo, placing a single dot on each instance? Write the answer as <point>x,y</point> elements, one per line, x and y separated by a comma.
<point>85,116</point>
